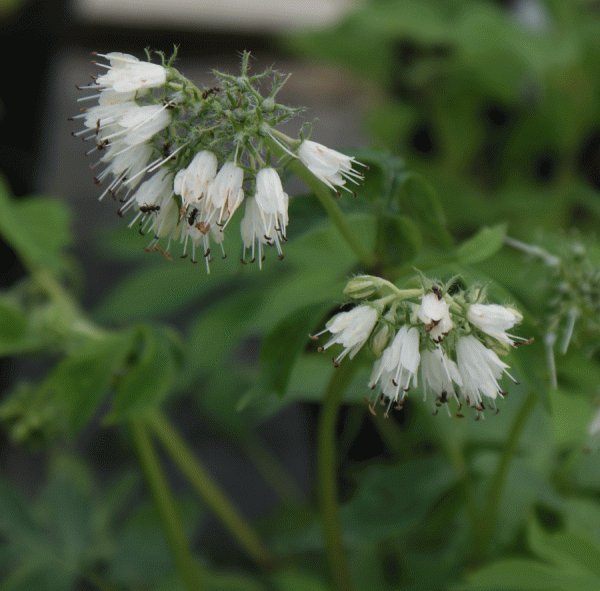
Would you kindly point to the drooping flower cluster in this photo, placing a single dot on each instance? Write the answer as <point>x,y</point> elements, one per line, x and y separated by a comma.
<point>184,160</point>
<point>453,339</point>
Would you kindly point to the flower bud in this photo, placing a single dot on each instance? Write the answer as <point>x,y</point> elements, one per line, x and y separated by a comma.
<point>361,287</point>
<point>380,340</point>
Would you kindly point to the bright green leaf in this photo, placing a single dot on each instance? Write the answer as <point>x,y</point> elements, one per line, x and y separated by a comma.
<point>571,416</point>
<point>37,229</point>
<point>483,245</point>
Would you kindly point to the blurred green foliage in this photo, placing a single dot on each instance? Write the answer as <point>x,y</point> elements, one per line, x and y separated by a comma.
<point>495,103</point>
<point>488,127</point>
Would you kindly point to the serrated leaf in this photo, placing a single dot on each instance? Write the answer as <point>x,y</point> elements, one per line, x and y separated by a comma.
<point>486,243</point>
<point>82,380</point>
<point>150,377</point>
<point>17,335</point>
<point>58,539</point>
<point>37,229</point>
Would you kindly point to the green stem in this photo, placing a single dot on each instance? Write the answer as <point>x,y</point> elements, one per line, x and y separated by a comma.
<point>205,486</point>
<point>166,507</point>
<point>327,476</point>
<point>323,194</point>
<point>483,540</point>
<point>281,482</point>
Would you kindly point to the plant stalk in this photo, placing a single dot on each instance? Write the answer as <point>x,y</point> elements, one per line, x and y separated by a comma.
<point>167,509</point>
<point>207,488</point>
<point>327,477</point>
<point>483,538</point>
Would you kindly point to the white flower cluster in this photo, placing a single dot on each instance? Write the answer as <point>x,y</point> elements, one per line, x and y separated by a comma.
<point>184,160</point>
<point>453,339</point>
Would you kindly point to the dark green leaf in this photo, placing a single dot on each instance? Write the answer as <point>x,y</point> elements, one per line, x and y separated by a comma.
<point>141,555</point>
<point>150,377</point>
<point>570,551</point>
<point>525,575</point>
<point>82,380</point>
<point>410,488</point>
<point>422,200</point>
<point>282,346</point>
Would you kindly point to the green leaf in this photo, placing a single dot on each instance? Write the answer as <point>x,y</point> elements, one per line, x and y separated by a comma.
<point>18,332</point>
<point>37,229</point>
<point>410,487</point>
<point>292,580</point>
<point>568,550</point>
<point>58,539</point>
<point>483,245</point>
<point>400,239</point>
<point>571,416</point>
<point>422,200</point>
<point>141,555</point>
<point>221,325</point>
<point>525,575</point>
<point>82,380</point>
<point>150,377</point>
<point>282,346</point>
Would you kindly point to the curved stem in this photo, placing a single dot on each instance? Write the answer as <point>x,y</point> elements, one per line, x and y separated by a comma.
<point>327,477</point>
<point>272,471</point>
<point>206,487</point>
<point>165,504</point>
<point>323,194</point>
<point>482,541</point>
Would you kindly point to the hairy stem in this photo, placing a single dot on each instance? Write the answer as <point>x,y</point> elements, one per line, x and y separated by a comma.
<point>485,534</point>
<point>207,488</point>
<point>165,504</point>
<point>327,477</point>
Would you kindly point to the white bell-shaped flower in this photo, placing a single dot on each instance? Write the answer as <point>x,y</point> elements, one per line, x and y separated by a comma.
<point>439,374</point>
<point>272,202</point>
<point>192,183</point>
<point>225,194</point>
<point>435,315</point>
<point>254,235</point>
<point>331,167</point>
<point>127,73</point>
<point>350,329</point>
<point>480,369</point>
<point>398,365</point>
<point>494,320</point>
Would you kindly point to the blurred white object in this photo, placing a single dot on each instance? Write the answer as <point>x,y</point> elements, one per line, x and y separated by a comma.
<point>230,15</point>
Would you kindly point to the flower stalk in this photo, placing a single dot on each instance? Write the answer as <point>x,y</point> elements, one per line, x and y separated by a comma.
<point>484,533</point>
<point>166,507</point>
<point>208,490</point>
<point>327,477</point>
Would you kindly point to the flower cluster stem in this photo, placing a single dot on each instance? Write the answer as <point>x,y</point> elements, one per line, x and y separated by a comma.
<point>165,504</point>
<point>205,486</point>
<point>327,477</point>
<point>323,194</point>
<point>482,538</point>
